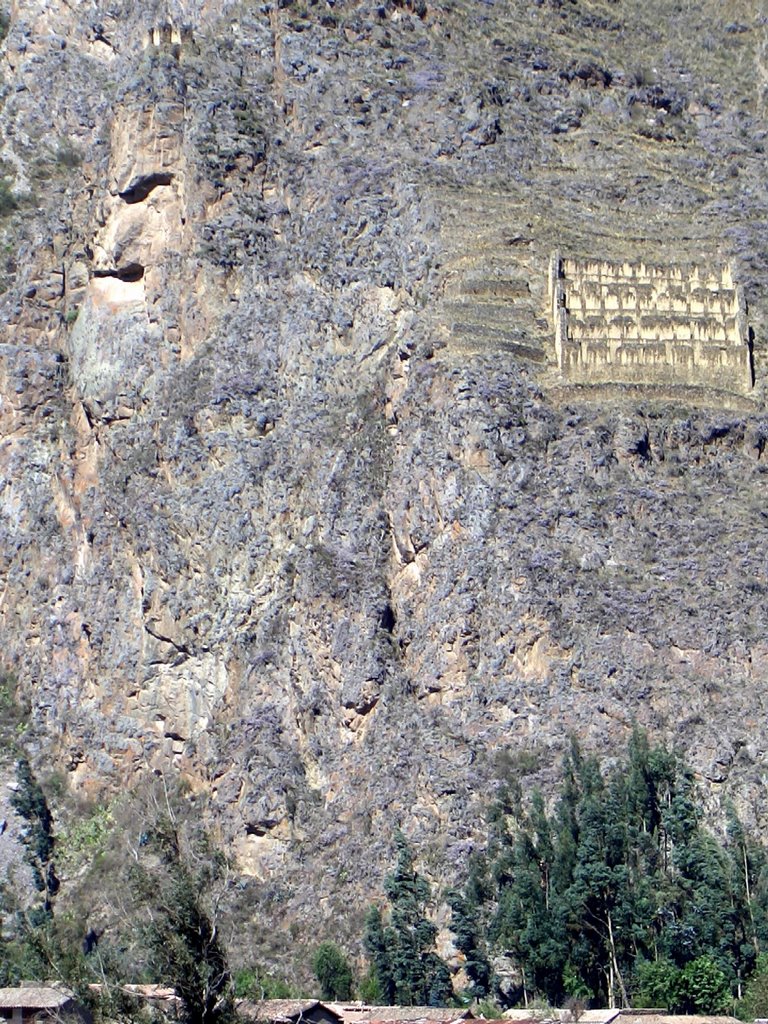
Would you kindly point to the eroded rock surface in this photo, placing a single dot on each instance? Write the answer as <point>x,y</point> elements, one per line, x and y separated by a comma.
<point>294,503</point>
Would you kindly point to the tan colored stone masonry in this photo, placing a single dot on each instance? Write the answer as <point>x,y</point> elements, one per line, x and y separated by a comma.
<point>643,323</point>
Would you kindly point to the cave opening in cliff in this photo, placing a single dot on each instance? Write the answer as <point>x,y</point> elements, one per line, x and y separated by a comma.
<point>141,187</point>
<point>129,273</point>
<point>387,619</point>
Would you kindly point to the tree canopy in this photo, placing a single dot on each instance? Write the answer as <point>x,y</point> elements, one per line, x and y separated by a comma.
<point>617,893</point>
<point>332,971</point>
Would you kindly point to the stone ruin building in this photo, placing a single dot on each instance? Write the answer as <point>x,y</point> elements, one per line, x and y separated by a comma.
<point>636,323</point>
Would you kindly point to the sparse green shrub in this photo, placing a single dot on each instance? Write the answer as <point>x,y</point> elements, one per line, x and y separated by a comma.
<point>8,202</point>
<point>14,714</point>
<point>56,785</point>
<point>488,1009</point>
<point>67,154</point>
<point>85,839</point>
<point>254,983</point>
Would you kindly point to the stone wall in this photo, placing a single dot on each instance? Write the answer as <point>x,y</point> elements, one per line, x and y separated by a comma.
<point>641,323</point>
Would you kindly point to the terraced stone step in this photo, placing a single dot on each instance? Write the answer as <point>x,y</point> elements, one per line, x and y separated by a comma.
<point>494,288</point>
<point>478,336</point>
<point>516,312</point>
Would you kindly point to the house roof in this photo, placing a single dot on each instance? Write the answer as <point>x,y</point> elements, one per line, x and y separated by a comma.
<point>359,1013</point>
<point>643,1017</point>
<point>283,1009</point>
<point>529,1016</point>
<point>414,1020</point>
<point>159,993</point>
<point>598,1016</point>
<point>521,1014</point>
<point>35,997</point>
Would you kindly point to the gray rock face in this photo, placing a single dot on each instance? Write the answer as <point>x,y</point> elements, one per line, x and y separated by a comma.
<point>288,510</point>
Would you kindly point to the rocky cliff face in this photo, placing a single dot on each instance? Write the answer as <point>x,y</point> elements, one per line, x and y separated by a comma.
<point>291,505</point>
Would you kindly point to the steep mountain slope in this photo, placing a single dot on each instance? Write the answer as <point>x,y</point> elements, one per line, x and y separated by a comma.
<point>283,512</point>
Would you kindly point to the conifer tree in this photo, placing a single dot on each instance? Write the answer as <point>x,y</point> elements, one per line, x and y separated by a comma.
<point>377,947</point>
<point>407,968</point>
<point>466,923</point>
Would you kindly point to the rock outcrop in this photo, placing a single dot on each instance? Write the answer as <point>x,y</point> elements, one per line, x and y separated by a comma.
<point>296,504</point>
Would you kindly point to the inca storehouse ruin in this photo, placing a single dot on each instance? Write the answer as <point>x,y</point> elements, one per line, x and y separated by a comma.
<point>650,324</point>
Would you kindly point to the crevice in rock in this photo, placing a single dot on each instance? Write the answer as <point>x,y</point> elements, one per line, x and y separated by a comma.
<point>387,619</point>
<point>90,418</point>
<point>181,648</point>
<point>99,37</point>
<point>365,707</point>
<point>130,272</point>
<point>141,187</point>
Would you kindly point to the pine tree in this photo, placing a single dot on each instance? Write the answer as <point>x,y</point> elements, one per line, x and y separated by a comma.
<point>529,923</point>
<point>466,926</point>
<point>29,801</point>
<point>407,968</point>
<point>376,943</point>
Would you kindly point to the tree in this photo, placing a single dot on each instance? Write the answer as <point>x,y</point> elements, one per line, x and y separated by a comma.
<point>620,891</point>
<point>701,988</point>
<point>407,969</point>
<point>333,972</point>
<point>376,943</point>
<point>656,983</point>
<point>258,984</point>
<point>176,874</point>
<point>755,1002</point>
<point>470,941</point>
<point>29,802</point>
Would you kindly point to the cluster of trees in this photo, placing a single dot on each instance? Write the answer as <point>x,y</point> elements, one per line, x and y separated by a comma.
<point>613,893</point>
<point>171,881</point>
<point>172,877</point>
<point>618,894</point>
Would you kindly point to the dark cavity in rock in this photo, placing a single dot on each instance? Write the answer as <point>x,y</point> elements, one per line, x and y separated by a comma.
<point>130,272</point>
<point>387,620</point>
<point>140,187</point>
